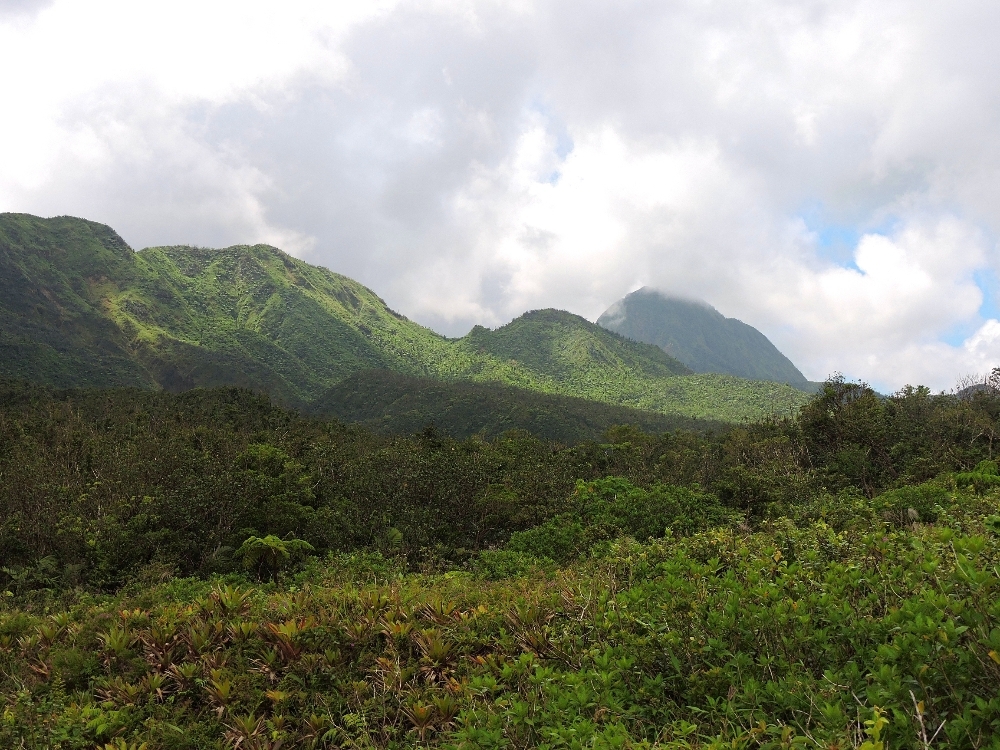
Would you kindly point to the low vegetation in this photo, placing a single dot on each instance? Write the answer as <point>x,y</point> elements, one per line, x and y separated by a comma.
<point>208,570</point>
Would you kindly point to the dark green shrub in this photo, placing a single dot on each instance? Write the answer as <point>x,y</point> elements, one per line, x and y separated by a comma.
<point>615,503</point>
<point>613,506</point>
<point>921,502</point>
<point>269,555</point>
<point>561,539</point>
<point>500,564</point>
<point>74,666</point>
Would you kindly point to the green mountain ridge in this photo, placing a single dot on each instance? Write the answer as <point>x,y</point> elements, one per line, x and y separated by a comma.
<point>701,337</point>
<point>81,308</point>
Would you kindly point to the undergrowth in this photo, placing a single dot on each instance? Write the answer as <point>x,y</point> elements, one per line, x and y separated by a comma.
<point>796,635</point>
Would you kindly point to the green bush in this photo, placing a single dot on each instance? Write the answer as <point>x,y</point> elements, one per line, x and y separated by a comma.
<point>646,513</point>
<point>611,507</point>
<point>922,502</point>
<point>499,564</point>
<point>268,556</point>
<point>562,538</point>
<point>984,477</point>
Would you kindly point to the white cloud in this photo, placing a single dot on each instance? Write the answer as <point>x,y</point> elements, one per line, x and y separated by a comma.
<point>476,158</point>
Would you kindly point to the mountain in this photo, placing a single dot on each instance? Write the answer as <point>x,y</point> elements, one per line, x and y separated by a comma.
<point>80,308</point>
<point>701,337</point>
<point>553,351</point>
<point>395,403</point>
<point>53,328</point>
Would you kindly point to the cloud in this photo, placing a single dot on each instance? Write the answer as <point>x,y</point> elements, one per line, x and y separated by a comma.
<point>21,10</point>
<point>473,159</point>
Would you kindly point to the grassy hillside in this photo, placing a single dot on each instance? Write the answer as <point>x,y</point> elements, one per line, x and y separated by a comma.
<point>701,337</point>
<point>80,308</point>
<point>391,402</point>
<point>55,329</point>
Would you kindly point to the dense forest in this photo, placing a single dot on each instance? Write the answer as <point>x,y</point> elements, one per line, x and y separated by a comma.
<point>390,402</point>
<point>207,569</point>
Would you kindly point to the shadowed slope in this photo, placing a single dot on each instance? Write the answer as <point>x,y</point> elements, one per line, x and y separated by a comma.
<point>55,275</point>
<point>700,337</point>
<point>391,402</point>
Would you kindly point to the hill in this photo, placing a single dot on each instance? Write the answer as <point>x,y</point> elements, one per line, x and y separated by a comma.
<point>391,402</point>
<point>556,352</point>
<point>53,328</point>
<point>81,308</point>
<point>701,337</point>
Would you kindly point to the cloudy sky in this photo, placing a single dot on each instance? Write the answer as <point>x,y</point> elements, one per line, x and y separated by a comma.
<point>826,171</point>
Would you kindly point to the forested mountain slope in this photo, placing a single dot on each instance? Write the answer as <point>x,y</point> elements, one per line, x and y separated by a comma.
<point>391,402</point>
<point>701,337</point>
<point>81,308</point>
<point>178,317</point>
<point>53,327</point>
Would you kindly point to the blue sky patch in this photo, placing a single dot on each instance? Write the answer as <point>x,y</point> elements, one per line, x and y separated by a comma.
<point>556,127</point>
<point>988,281</point>
<point>836,242</point>
<point>989,284</point>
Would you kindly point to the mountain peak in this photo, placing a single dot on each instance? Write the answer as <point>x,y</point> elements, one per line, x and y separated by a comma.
<point>551,340</point>
<point>549,315</point>
<point>616,316</point>
<point>648,291</point>
<point>700,336</point>
<point>67,241</point>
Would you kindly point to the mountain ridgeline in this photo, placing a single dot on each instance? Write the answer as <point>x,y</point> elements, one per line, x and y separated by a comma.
<point>81,308</point>
<point>701,337</point>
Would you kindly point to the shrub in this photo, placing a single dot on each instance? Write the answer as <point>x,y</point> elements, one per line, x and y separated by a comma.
<point>268,556</point>
<point>561,539</point>
<point>922,502</point>
<point>617,504</point>
<point>500,564</point>
<point>984,477</point>
<point>613,507</point>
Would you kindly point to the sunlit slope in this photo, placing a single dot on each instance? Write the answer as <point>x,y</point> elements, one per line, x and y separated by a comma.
<point>553,351</point>
<point>81,308</point>
<point>300,326</point>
